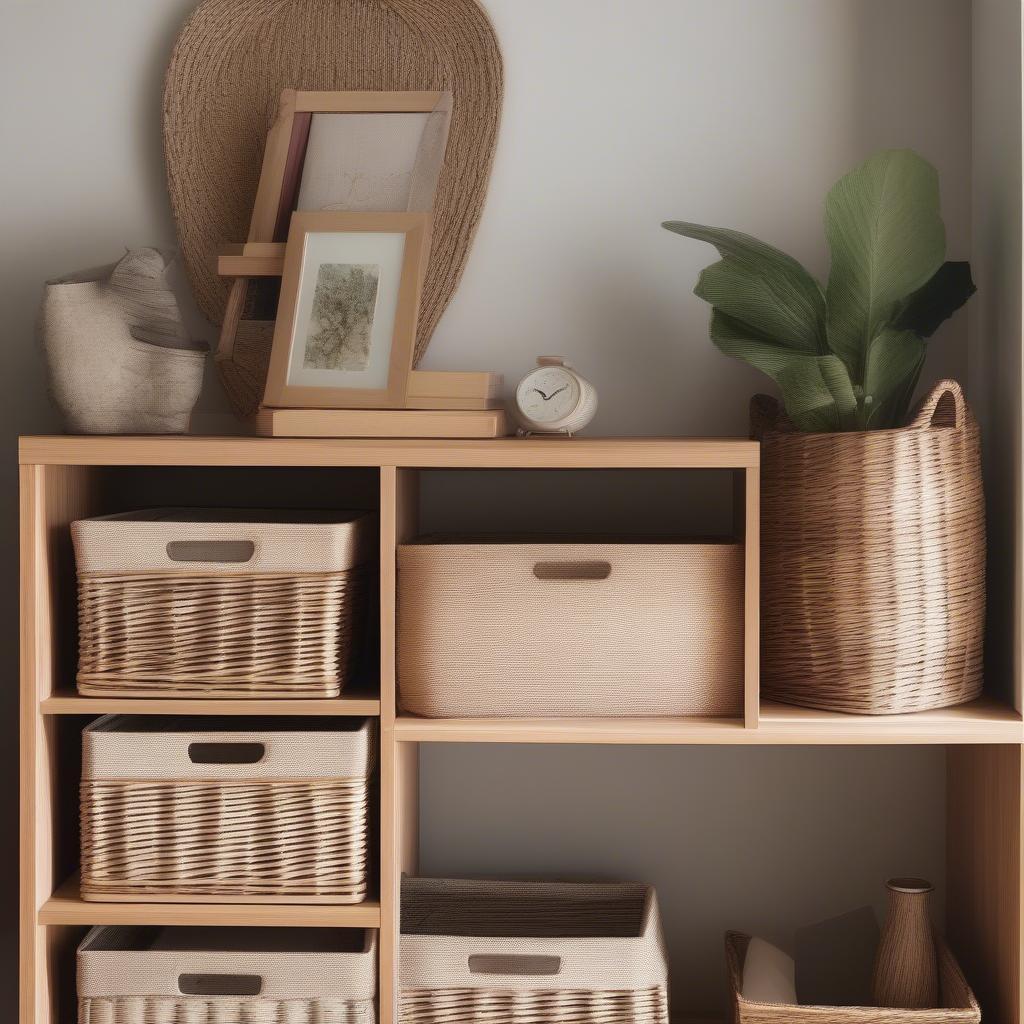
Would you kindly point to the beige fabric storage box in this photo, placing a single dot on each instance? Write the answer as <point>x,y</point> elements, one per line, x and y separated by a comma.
<point>219,603</point>
<point>531,953</point>
<point>498,629</point>
<point>129,975</point>
<point>237,809</point>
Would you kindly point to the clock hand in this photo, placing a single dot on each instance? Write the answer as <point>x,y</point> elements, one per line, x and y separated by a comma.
<point>541,393</point>
<point>547,398</point>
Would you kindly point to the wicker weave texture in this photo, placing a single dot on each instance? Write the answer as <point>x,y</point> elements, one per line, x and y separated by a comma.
<point>229,66</point>
<point>583,953</point>
<point>471,1006</point>
<point>535,629</point>
<point>233,829</point>
<point>149,634</point>
<point>962,1007</point>
<point>873,562</point>
<point>196,1010</point>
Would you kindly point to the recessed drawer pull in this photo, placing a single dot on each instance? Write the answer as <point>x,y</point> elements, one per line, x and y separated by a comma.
<point>226,753</point>
<point>522,965</point>
<point>220,984</point>
<point>210,550</point>
<point>572,570</point>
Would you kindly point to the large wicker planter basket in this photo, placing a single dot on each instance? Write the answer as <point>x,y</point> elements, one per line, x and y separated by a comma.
<point>873,561</point>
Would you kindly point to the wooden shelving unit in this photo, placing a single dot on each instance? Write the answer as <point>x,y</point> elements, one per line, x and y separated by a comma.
<point>63,479</point>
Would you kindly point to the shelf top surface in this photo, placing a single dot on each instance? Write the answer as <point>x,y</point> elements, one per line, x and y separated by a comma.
<point>983,721</point>
<point>502,453</point>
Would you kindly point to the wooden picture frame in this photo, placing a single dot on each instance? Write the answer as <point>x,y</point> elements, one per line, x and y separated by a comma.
<point>289,383</point>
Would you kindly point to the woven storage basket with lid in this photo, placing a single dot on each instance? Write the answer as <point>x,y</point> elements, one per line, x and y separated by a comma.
<point>129,975</point>
<point>531,953</point>
<point>873,561</point>
<point>959,1005</point>
<point>258,810</point>
<point>219,603</point>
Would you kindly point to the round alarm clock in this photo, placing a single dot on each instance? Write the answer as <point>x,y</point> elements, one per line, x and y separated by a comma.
<point>554,398</point>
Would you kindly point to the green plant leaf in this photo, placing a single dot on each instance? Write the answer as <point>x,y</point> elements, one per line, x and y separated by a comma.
<point>887,239</point>
<point>816,390</point>
<point>893,366</point>
<point>761,286</point>
<point>937,300</point>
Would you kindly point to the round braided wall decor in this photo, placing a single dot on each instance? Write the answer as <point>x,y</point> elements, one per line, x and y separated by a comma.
<point>227,71</point>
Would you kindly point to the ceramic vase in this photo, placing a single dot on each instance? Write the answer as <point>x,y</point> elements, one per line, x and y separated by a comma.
<point>906,971</point>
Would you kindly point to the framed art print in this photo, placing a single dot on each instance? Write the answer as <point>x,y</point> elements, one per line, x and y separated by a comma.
<point>346,320</point>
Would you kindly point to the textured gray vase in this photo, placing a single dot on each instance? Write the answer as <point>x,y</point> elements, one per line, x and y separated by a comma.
<point>119,359</point>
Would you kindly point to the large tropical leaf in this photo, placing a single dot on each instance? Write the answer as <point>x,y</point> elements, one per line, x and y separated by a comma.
<point>816,390</point>
<point>937,300</point>
<point>887,240</point>
<point>893,366</point>
<point>761,286</point>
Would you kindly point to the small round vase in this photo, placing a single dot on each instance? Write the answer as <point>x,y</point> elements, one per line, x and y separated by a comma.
<point>906,971</point>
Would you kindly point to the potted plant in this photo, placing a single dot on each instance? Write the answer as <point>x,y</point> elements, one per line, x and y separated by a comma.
<point>873,534</point>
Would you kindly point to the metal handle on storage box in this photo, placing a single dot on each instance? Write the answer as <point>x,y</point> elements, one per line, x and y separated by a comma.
<point>220,984</point>
<point>520,964</point>
<point>226,753</point>
<point>210,550</point>
<point>572,570</point>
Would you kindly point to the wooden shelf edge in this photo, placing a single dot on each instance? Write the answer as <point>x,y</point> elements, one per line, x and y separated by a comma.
<point>983,722</point>
<point>69,703</point>
<point>66,907</point>
<point>500,453</point>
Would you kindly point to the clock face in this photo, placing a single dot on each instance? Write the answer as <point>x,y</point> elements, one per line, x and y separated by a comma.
<point>548,395</point>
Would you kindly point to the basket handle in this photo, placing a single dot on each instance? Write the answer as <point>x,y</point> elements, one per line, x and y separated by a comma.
<point>220,984</point>
<point>596,570</point>
<point>226,753</point>
<point>222,551</point>
<point>943,406</point>
<point>518,964</point>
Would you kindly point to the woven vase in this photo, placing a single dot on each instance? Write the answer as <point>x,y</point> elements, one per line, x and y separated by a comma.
<point>873,561</point>
<point>906,967</point>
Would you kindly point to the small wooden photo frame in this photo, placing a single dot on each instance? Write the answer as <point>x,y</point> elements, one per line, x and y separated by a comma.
<point>346,321</point>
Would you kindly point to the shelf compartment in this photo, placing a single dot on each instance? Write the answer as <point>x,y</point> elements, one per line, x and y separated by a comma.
<point>66,702</point>
<point>982,721</point>
<point>66,907</point>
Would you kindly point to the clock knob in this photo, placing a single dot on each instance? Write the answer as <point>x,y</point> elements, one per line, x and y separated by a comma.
<point>551,361</point>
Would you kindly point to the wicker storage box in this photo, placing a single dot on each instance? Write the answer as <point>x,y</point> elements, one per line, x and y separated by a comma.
<point>130,975</point>
<point>249,810</point>
<point>219,603</point>
<point>957,997</point>
<point>570,629</point>
<point>531,953</point>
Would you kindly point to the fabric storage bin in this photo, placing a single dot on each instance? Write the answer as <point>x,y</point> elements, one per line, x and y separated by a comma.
<point>499,629</point>
<point>248,810</point>
<point>960,1005</point>
<point>136,975</point>
<point>531,952</point>
<point>219,603</point>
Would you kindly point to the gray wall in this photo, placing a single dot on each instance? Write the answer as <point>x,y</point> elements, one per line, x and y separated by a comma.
<point>734,112</point>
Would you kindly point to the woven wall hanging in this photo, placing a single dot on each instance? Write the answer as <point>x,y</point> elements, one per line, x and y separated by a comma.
<point>227,71</point>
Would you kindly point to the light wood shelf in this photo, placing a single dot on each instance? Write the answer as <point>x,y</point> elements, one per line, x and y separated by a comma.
<point>65,702</point>
<point>502,453</point>
<point>983,721</point>
<point>66,907</point>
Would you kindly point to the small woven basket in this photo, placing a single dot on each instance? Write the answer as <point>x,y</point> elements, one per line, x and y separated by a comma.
<point>873,561</point>
<point>255,810</point>
<point>959,1004</point>
<point>531,953</point>
<point>196,603</point>
<point>130,975</point>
